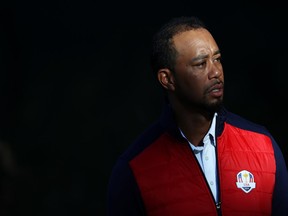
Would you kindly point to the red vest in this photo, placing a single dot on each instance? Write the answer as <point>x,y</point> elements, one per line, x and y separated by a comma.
<point>172,183</point>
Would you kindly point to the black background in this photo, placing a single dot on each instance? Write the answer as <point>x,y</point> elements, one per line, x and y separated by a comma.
<point>76,89</point>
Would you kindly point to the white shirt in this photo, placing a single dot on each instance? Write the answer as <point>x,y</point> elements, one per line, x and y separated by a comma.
<point>206,156</point>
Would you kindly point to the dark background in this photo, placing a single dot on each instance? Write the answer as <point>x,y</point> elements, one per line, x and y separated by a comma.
<point>76,89</point>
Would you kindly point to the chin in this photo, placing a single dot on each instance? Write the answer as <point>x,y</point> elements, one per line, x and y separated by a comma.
<point>214,107</point>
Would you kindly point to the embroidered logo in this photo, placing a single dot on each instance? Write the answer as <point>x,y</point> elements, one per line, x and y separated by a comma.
<point>245,181</point>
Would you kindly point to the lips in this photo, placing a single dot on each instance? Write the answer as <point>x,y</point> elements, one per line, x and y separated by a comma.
<point>216,90</point>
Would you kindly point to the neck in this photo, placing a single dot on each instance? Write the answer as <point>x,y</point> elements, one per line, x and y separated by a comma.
<point>193,123</point>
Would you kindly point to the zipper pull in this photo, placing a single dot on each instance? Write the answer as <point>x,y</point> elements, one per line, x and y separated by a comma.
<point>218,205</point>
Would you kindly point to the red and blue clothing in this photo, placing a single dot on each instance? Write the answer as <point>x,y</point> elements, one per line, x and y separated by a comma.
<point>159,174</point>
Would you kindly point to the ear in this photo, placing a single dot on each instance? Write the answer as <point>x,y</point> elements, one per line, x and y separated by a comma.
<point>166,79</point>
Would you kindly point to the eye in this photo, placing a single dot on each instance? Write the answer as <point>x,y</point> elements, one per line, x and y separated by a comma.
<point>201,64</point>
<point>218,59</point>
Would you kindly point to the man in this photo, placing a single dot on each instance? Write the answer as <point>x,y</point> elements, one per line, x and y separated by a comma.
<point>198,158</point>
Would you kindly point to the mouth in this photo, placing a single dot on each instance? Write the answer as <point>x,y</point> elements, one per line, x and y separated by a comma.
<point>216,90</point>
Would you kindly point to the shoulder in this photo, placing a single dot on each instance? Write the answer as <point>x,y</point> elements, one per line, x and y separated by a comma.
<point>241,122</point>
<point>142,141</point>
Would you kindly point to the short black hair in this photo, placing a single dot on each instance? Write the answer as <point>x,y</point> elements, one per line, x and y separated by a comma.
<point>163,53</point>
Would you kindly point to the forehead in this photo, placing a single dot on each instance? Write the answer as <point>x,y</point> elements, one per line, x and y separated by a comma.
<point>197,41</point>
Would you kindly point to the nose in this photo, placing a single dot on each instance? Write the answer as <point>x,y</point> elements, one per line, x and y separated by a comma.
<point>215,70</point>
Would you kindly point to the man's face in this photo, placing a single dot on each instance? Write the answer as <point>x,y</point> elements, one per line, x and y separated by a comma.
<point>198,75</point>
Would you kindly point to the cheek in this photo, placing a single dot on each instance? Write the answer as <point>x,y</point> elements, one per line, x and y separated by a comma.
<point>194,82</point>
<point>192,87</point>
<point>190,84</point>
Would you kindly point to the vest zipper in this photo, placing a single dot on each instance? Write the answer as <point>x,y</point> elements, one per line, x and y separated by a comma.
<point>218,204</point>
<point>218,207</point>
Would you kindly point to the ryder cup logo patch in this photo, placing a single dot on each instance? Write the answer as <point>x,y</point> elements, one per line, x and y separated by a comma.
<point>245,181</point>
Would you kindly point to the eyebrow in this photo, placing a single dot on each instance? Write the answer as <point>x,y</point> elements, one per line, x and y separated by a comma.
<point>200,57</point>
